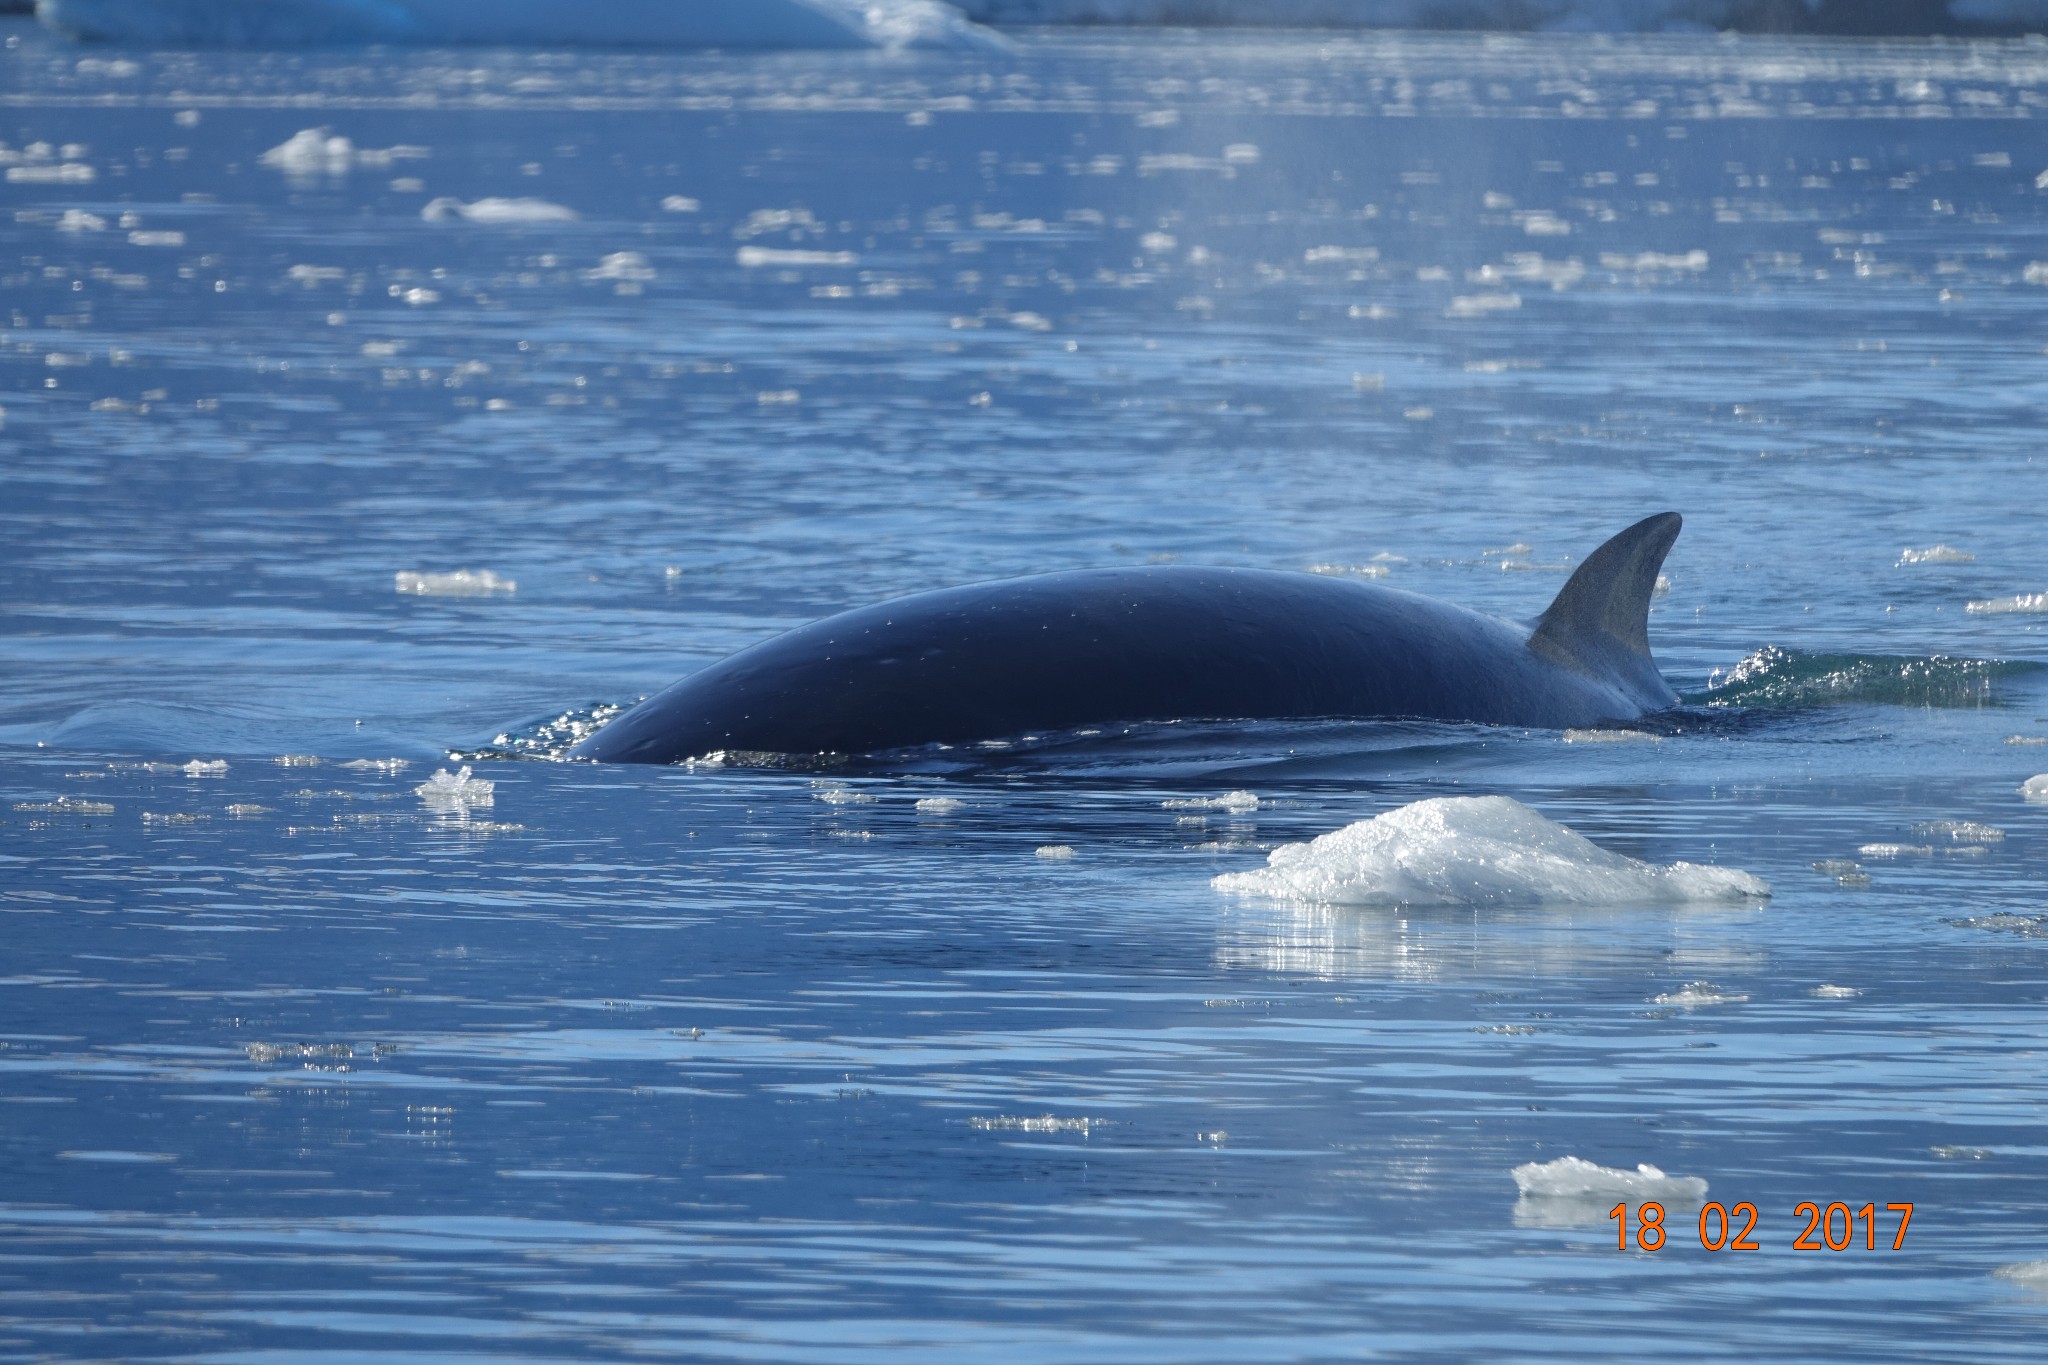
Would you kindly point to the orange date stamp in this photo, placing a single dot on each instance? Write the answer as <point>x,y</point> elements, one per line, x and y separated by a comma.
<point>1829,1227</point>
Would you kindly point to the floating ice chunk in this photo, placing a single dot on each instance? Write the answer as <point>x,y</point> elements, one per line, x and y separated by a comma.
<point>1479,305</point>
<point>753,257</point>
<point>1484,850</point>
<point>2026,739</point>
<point>1043,1123</point>
<point>78,220</point>
<point>1055,852</point>
<point>455,791</point>
<point>1351,570</point>
<point>66,805</point>
<point>1569,1177</point>
<point>939,805</point>
<point>313,151</point>
<point>1834,992</point>
<point>1697,995</point>
<point>2035,788</point>
<point>69,173</point>
<point>296,761</point>
<point>2026,1274</point>
<point>461,583</point>
<point>2037,271</point>
<point>622,265</point>
<point>243,810</point>
<point>1843,870</point>
<point>680,203</point>
<point>1239,801</point>
<point>1935,554</point>
<point>1895,851</point>
<point>2010,606</point>
<point>1611,737</point>
<point>495,212</point>
<point>1961,831</point>
<point>379,765</point>
<point>842,796</point>
<point>205,767</point>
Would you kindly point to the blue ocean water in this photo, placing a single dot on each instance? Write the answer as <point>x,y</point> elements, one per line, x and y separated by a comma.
<point>774,1064</point>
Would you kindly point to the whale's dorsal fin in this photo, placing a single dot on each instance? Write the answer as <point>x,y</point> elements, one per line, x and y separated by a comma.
<point>1600,622</point>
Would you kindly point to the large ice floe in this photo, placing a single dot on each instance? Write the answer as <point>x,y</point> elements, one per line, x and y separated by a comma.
<point>1476,850</point>
<point>612,23</point>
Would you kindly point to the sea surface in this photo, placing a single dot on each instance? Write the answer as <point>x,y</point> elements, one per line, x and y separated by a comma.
<point>673,352</point>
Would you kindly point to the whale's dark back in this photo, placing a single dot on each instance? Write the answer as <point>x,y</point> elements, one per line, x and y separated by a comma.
<point>1055,651</point>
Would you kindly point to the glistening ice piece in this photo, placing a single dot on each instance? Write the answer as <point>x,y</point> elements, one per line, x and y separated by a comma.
<point>1096,646</point>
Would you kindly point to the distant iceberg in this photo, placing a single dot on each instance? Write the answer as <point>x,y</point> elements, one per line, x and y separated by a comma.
<point>544,23</point>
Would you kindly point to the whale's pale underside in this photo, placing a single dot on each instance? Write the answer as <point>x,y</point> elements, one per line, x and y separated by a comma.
<point>1100,646</point>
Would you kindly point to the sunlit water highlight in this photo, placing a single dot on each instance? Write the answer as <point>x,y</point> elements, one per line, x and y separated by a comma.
<point>309,483</point>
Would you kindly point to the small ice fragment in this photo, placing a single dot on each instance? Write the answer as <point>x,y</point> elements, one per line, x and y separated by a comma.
<point>939,805</point>
<point>1834,992</point>
<point>78,220</point>
<point>379,765</point>
<point>680,203</point>
<point>842,796</point>
<point>1238,801</point>
<point>150,817</point>
<point>1476,850</point>
<point>455,791</point>
<point>1895,851</point>
<point>461,583</point>
<point>66,805</point>
<point>1961,831</point>
<point>1351,570</point>
<point>243,810</point>
<point>2024,603</point>
<point>205,767</point>
<point>1611,737</point>
<point>1935,554</point>
<point>1696,995</point>
<point>2035,788</point>
<point>1043,1123</point>
<point>1055,851</point>
<point>1952,1153</point>
<point>2026,1274</point>
<point>2026,739</point>
<point>622,265</point>
<point>1569,1177</point>
<point>296,761</point>
<point>496,212</point>
<point>278,1052</point>
<point>753,257</point>
<point>309,152</point>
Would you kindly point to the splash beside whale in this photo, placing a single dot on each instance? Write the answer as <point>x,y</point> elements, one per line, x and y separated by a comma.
<point>1100,646</point>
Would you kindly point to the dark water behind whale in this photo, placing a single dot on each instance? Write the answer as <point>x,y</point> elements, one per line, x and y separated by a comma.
<point>778,1064</point>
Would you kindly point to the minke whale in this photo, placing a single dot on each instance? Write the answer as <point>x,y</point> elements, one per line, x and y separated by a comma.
<point>1060,651</point>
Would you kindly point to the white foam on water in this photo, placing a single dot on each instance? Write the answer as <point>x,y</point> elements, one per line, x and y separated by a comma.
<point>1231,801</point>
<point>1042,1123</point>
<point>630,266</point>
<point>379,765</point>
<point>496,212</point>
<point>939,805</point>
<point>296,761</point>
<point>1697,995</point>
<point>2021,604</point>
<point>456,791</point>
<point>1477,850</point>
<point>1351,570</point>
<point>1569,1177</point>
<point>1055,852</point>
<point>680,203</point>
<point>843,796</point>
<point>1611,737</point>
<point>461,583</point>
<point>66,805</point>
<point>1825,992</point>
<point>2026,739</point>
<point>1895,851</point>
<point>1935,554</point>
<point>243,810</point>
<point>2035,788</point>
